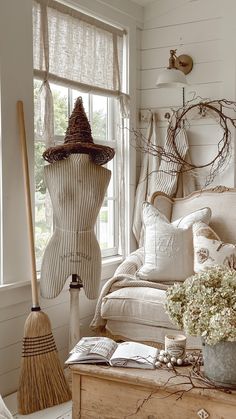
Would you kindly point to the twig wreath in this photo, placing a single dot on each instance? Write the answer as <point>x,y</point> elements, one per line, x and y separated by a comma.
<point>221,110</point>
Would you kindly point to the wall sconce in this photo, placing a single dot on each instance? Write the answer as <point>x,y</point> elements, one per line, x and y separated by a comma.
<point>174,75</point>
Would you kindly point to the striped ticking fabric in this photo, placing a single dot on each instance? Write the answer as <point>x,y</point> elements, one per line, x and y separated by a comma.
<point>77,188</point>
<point>167,175</point>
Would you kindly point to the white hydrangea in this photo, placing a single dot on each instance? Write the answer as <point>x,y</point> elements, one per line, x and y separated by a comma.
<point>205,305</point>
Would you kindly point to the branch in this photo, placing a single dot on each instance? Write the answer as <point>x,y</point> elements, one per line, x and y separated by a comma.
<point>194,379</point>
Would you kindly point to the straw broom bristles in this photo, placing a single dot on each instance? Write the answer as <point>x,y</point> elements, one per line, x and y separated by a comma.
<point>42,383</point>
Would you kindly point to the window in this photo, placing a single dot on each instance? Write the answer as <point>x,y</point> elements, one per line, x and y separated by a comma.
<point>79,53</point>
<point>97,65</point>
<point>101,112</point>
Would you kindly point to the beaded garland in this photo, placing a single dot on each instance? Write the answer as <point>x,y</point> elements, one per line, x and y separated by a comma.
<point>166,359</point>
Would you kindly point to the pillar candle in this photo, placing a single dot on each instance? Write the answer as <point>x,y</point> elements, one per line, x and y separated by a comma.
<point>175,345</point>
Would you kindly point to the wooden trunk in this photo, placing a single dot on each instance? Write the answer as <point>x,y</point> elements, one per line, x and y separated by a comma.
<point>100,392</point>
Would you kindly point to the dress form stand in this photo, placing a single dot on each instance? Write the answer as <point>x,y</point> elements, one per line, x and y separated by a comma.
<point>74,328</point>
<point>77,185</point>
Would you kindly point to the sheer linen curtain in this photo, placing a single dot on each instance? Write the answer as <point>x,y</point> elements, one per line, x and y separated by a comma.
<point>161,174</point>
<point>80,52</point>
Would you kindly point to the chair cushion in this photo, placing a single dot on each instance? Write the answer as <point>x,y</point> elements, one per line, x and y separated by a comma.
<point>209,250</point>
<point>168,247</point>
<point>137,305</point>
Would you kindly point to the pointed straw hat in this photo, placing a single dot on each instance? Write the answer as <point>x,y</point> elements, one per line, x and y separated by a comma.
<point>79,139</point>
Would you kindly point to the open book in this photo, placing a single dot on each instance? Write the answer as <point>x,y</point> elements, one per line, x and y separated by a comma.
<point>104,350</point>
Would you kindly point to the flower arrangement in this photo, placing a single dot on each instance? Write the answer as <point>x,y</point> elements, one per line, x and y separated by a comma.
<point>205,305</point>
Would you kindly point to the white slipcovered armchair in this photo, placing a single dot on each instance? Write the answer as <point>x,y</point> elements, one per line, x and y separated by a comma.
<point>130,308</point>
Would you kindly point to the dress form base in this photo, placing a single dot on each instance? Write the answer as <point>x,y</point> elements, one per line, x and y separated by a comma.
<point>74,326</point>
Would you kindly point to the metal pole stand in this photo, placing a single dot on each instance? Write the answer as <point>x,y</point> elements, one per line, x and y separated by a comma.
<point>74,328</point>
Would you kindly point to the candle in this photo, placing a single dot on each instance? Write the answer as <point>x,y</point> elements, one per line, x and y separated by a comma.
<point>175,345</point>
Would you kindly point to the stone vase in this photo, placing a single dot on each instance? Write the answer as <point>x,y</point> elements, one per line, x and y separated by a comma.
<point>220,363</point>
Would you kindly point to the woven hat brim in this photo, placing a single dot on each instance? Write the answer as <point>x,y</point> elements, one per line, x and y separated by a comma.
<point>98,153</point>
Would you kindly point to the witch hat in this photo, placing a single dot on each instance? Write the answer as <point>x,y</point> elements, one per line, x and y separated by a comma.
<point>79,139</point>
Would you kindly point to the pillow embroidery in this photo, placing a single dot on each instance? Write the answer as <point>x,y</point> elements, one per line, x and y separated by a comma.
<point>168,247</point>
<point>203,255</point>
<point>209,250</point>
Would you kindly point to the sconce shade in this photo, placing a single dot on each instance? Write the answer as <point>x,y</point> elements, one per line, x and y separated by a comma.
<point>171,77</point>
<point>174,75</point>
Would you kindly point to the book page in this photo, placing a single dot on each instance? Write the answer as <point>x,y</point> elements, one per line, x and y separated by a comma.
<point>104,348</point>
<point>93,348</point>
<point>131,353</point>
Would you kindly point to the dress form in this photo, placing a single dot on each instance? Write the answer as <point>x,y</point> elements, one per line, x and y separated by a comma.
<point>77,187</point>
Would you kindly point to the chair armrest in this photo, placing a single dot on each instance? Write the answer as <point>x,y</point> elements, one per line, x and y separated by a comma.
<point>132,263</point>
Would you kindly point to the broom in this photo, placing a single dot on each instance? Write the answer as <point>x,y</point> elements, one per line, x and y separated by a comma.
<point>42,383</point>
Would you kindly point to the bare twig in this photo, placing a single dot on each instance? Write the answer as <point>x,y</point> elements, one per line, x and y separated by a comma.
<point>194,379</point>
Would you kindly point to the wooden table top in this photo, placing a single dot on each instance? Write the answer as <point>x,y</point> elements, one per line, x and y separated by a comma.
<point>157,378</point>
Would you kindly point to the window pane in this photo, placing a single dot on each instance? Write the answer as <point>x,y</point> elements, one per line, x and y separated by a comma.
<point>106,225</point>
<point>99,120</point>
<point>60,101</point>
<point>38,123</point>
<point>43,210</point>
<point>107,218</point>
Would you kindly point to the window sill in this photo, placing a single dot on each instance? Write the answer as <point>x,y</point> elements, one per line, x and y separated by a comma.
<point>19,292</point>
<point>109,265</point>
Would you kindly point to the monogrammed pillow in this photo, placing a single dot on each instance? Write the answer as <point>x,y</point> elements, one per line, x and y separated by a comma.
<point>209,249</point>
<point>168,247</point>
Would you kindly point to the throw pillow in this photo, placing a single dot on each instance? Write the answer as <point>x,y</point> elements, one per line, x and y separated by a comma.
<point>209,250</point>
<point>168,247</point>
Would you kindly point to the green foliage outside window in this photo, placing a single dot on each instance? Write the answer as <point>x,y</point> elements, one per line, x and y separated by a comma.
<point>99,125</point>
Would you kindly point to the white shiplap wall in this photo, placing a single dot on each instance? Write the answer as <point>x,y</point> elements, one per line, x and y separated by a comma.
<point>204,30</point>
<point>16,83</point>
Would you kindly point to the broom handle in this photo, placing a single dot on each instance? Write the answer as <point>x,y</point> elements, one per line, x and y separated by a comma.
<point>21,122</point>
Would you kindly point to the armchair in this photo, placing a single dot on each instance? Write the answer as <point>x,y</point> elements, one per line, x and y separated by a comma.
<point>130,308</point>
